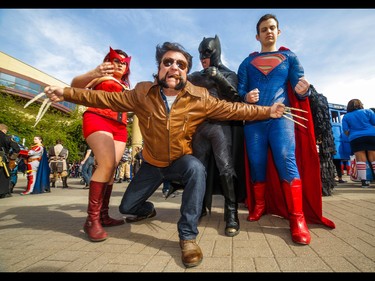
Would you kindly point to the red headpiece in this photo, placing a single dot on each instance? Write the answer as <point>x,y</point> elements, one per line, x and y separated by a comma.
<point>114,55</point>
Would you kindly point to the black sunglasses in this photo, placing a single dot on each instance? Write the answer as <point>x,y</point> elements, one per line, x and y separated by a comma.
<point>167,62</point>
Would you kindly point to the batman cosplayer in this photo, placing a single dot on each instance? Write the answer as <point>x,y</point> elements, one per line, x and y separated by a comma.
<point>219,144</point>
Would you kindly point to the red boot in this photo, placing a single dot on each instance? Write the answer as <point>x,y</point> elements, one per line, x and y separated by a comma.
<point>298,227</point>
<point>260,203</point>
<point>105,219</point>
<point>92,226</point>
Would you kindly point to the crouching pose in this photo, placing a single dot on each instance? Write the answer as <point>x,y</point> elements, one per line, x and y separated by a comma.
<point>169,111</point>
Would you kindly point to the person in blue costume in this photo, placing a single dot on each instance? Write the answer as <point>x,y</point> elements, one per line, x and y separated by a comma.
<point>275,147</point>
<point>359,125</point>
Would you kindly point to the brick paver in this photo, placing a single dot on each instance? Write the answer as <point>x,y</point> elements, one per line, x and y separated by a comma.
<point>43,233</point>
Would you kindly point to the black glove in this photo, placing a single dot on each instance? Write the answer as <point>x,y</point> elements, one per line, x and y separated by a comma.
<point>225,87</point>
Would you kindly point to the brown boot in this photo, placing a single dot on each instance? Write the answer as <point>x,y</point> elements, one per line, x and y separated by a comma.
<point>105,219</point>
<point>92,226</point>
<point>260,203</point>
<point>298,227</point>
<point>191,253</point>
<point>65,182</point>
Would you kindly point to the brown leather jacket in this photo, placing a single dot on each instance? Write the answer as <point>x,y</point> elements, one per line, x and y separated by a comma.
<point>167,136</point>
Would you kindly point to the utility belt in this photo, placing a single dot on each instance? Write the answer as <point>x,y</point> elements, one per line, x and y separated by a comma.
<point>34,159</point>
<point>59,158</point>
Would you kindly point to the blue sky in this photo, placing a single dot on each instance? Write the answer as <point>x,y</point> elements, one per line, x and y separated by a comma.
<point>335,46</point>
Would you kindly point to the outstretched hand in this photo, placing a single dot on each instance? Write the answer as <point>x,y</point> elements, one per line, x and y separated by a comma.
<point>54,93</point>
<point>277,110</point>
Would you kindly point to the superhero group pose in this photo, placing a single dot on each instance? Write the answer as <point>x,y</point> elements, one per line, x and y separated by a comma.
<point>248,136</point>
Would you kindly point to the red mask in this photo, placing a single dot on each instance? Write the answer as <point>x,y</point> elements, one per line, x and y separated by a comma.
<point>114,55</point>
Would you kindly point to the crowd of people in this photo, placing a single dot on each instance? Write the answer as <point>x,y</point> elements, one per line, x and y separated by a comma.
<point>215,131</point>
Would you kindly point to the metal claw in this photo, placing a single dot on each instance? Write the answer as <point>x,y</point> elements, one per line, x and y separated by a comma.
<point>38,96</point>
<point>295,115</point>
<point>291,119</point>
<point>296,109</point>
<point>43,108</point>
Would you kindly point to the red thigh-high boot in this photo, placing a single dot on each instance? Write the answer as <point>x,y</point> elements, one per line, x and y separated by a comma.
<point>92,226</point>
<point>105,219</point>
<point>260,203</point>
<point>298,227</point>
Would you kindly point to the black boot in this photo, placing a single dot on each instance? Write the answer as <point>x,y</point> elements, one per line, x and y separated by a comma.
<point>65,184</point>
<point>365,183</point>
<point>232,226</point>
<point>173,187</point>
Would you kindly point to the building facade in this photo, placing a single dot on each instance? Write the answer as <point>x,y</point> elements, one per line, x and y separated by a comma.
<point>25,81</point>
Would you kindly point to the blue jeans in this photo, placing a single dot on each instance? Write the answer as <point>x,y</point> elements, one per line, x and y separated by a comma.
<point>87,169</point>
<point>187,170</point>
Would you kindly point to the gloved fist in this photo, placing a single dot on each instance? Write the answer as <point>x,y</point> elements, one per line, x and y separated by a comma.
<point>211,71</point>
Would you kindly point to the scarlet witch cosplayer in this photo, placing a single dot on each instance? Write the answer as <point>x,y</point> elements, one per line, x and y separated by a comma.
<point>282,154</point>
<point>105,128</point>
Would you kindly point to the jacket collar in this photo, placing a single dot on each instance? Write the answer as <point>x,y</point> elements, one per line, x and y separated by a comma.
<point>189,89</point>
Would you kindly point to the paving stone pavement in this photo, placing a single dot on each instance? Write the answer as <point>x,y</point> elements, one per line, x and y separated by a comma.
<point>43,233</point>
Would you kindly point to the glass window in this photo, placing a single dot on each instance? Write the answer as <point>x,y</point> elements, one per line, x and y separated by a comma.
<point>7,83</point>
<point>7,77</point>
<point>35,87</point>
<point>21,88</point>
<point>22,81</point>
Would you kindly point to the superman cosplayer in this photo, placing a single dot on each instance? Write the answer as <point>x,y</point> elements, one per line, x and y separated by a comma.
<point>282,154</point>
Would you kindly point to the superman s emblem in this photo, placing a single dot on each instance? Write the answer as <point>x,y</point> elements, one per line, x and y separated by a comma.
<point>267,63</point>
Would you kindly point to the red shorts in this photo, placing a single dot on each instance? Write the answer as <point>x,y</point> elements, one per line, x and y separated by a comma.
<point>93,122</point>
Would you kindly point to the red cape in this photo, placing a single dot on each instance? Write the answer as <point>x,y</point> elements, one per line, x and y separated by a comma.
<point>309,168</point>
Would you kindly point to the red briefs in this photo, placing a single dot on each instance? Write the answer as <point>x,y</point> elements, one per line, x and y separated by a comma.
<point>93,122</point>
